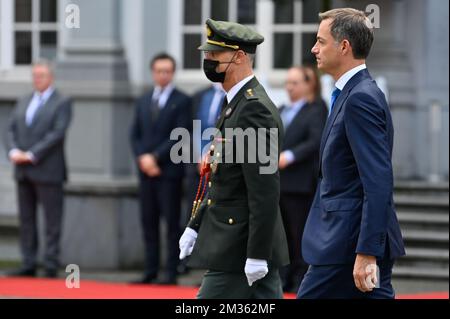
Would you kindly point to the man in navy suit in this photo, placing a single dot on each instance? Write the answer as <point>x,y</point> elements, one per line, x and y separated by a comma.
<point>157,113</point>
<point>352,228</point>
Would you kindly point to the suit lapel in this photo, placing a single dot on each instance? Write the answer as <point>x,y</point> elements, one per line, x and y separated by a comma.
<point>146,107</point>
<point>171,103</point>
<point>298,117</point>
<point>358,77</point>
<point>23,110</point>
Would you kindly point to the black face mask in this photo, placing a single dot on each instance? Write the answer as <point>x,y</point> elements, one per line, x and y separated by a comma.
<point>210,66</point>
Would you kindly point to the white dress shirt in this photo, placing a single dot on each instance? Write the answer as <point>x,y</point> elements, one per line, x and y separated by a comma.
<point>38,100</point>
<point>215,103</point>
<point>162,94</point>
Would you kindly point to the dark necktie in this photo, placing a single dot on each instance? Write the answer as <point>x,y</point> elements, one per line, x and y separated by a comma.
<point>334,97</point>
<point>154,109</point>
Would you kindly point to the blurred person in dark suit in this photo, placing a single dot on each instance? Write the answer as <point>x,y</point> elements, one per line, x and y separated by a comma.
<point>157,113</point>
<point>303,118</point>
<point>35,142</point>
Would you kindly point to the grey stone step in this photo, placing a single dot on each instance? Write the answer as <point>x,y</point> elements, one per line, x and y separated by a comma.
<point>431,221</point>
<point>422,273</point>
<point>426,254</point>
<point>426,236</point>
<point>420,217</point>
<point>421,188</point>
<point>9,248</point>
<point>422,205</point>
<point>9,226</point>
<point>422,201</point>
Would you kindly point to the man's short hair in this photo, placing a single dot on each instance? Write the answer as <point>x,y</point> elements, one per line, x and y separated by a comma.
<point>163,56</point>
<point>46,63</point>
<point>352,25</point>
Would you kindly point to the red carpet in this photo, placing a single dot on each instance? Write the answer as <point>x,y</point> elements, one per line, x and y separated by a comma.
<point>56,289</point>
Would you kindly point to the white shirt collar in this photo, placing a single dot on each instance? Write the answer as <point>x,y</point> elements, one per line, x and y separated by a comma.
<point>342,81</point>
<point>163,94</point>
<point>298,103</point>
<point>45,95</point>
<point>237,87</point>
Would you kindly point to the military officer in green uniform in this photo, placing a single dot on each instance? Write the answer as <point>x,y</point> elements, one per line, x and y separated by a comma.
<point>236,231</point>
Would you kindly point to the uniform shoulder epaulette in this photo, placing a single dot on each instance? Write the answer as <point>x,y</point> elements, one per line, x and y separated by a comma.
<point>250,95</point>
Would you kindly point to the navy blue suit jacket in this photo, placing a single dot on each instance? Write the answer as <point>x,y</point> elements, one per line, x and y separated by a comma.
<point>155,138</point>
<point>353,210</point>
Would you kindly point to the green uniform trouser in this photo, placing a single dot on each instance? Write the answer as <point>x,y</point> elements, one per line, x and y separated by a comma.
<point>226,285</point>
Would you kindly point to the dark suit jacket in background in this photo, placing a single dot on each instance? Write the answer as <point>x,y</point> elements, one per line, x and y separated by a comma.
<point>44,138</point>
<point>302,137</point>
<point>353,210</point>
<point>149,137</point>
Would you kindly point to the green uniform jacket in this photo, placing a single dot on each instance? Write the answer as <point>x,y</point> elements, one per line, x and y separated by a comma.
<point>241,218</point>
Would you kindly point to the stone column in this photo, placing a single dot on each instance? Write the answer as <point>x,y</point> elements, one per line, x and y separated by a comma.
<point>101,219</point>
<point>92,69</point>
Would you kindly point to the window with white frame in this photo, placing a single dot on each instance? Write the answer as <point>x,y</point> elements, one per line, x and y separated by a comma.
<point>292,27</point>
<point>28,31</point>
<point>194,16</point>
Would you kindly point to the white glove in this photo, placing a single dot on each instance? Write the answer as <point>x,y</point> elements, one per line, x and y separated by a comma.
<point>255,269</point>
<point>187,242</point>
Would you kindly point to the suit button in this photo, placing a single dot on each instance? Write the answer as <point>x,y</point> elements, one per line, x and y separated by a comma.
<point>231,221</point>
<point>209,202</point>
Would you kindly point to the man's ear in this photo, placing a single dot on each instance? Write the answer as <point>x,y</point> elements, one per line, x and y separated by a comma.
<point>240,56</point>
<point>346,48</point>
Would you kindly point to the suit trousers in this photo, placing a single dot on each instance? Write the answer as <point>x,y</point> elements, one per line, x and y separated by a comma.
<point>294,210</point>
<point>336,282</point>
<point>50,196</point>
<point>160,197</point>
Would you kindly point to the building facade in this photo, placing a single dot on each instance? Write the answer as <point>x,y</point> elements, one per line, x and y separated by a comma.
<point>102,50</point>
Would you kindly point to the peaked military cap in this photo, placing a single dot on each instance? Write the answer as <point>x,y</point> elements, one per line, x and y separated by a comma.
<point>224,35</point>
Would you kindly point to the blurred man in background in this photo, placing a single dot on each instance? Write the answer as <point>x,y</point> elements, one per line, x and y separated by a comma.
<point>35,141</point>
<point>157,113</point>
<point>303,118</point>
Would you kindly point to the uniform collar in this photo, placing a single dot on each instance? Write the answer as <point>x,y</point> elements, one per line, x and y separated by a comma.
<point>237,87</point>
